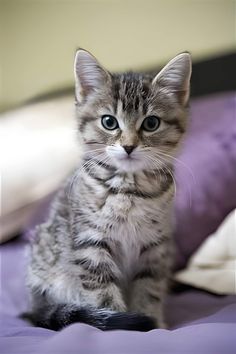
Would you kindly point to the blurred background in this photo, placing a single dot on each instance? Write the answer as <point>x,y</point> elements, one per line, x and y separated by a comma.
<point>38,141</point>
<point>39,147</point>
<point>38,40</point>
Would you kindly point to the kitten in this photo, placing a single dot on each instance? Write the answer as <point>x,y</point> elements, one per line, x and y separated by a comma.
<point>104,255</point>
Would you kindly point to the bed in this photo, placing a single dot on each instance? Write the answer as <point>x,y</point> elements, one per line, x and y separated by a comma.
<point>199,321</point>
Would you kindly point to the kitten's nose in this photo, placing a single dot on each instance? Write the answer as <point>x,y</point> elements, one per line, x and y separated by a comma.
<point>129,148</point>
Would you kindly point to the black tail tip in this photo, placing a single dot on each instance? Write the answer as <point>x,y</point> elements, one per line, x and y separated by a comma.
<point>130,322</point>
<point>104,320</point>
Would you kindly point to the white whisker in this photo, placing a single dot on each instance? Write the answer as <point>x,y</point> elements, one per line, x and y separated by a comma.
<point>179,161</point>
<point>189,189</point>
<point>155,161</point>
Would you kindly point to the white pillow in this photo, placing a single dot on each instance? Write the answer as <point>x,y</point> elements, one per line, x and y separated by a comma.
<point>213,266</point>
<point>38,150</point>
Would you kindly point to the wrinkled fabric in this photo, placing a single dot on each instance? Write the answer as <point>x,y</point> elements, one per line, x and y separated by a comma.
<point>206,173</point>
<point>199,322</point>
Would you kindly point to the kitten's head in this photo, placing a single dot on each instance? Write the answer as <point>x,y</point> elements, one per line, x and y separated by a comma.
<point>131,121</point>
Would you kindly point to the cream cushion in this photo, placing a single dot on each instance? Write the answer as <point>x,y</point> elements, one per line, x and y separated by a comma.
<point>39,148</point>
<point>213,266</point>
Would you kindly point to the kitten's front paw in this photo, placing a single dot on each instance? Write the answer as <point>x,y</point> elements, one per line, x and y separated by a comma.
<point>161,324</point>
<point>116,307</point>
<point>112,300</point>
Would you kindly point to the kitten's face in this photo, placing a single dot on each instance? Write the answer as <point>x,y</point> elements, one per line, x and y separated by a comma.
<point>131,121</point>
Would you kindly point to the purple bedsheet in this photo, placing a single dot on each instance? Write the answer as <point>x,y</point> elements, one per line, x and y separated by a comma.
<point>199,322</point>
<point>206,174</point>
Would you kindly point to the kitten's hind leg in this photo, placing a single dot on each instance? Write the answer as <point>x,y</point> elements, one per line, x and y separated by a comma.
<point>104,308</point>
<point>147,298</point>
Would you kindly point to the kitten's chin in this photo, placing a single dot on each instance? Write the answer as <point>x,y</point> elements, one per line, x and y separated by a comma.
<point>128,165</point>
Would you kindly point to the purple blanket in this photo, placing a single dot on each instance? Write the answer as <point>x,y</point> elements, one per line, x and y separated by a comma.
<point>199,322</point>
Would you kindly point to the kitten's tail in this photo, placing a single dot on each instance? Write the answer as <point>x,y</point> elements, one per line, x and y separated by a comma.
<point>56,317</point>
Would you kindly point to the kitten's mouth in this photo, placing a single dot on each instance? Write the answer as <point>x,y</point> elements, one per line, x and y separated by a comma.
<point>128,164</point>
<point>128,158</point>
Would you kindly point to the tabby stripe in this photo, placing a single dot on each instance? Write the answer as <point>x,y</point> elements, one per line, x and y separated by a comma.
<point>136,103</point>
<point>106,301</point>
<point>91,174</point>
<point>95,285</point>
<point>102,270</point>
<point>153,173</point>
<point>89,224</point>
<point>147,273</point>
<point>99,283</point>
<point>84,121</point>
<point>133,192</point>
<point>144,93</point>
<point>91,285</point>
<point>83,244</point>
<point>170,143</point>
<point>88,118</point>
<point>145,107</point>
<point>83,221</point>
<point>177,125</point>
<point>165,173</point>
<point>154,298</point>
<point>142,194</point>
<point>153,244</point>
<point>101,164</point>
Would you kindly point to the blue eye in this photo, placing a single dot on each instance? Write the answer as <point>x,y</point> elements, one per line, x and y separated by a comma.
<point>109,122</point>
<point>151,123</point>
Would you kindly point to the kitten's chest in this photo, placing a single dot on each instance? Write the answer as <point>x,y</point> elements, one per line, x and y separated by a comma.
<point>132,221</point>
<point>128,259</point>
<point>132,228</point>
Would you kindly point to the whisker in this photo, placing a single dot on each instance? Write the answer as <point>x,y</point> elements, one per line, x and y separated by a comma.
<point>159,167</point>
<point>94,142</point>
<point>76,176</point>
<point>179,161</point>
<point>168,170</point>
<point>189,189</point>
<point>88,165</point>
<point>88,151</point>
<point>172,158</point>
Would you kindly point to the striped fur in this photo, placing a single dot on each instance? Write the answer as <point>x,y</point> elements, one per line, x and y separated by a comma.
<point>106,247</point>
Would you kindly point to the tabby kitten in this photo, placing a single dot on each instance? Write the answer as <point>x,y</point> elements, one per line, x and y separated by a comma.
<point>104,255</point>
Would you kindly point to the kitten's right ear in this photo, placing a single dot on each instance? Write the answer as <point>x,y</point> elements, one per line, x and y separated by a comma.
<point>90,76</point>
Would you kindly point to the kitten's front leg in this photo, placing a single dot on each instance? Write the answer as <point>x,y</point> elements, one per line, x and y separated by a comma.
<point>147,297</point>
<point>110,297</point>
<point>99,276</point>
<point>87,293</point>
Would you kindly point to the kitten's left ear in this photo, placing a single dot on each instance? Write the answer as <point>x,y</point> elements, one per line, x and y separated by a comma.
<point>90,76</point>
<point>175,76</point>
